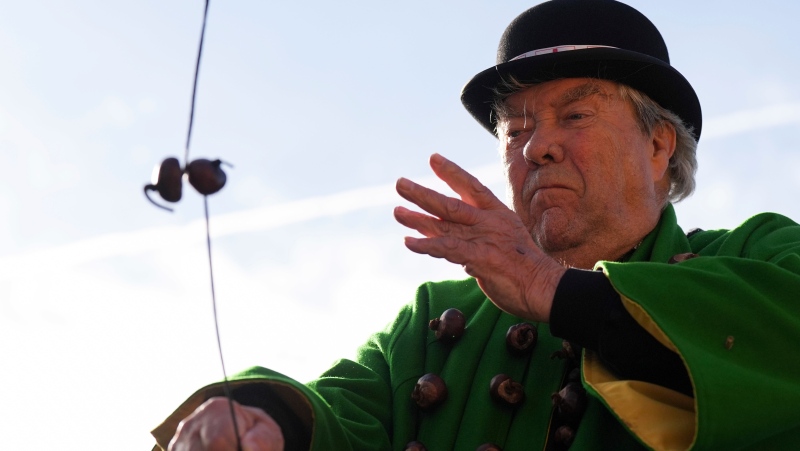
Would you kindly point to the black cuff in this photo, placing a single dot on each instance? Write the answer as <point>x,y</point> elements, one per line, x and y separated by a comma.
<point>582,304</point>
<point>588,311</point>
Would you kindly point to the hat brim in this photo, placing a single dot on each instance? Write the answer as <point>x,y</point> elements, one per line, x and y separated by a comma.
<point>660,81</point>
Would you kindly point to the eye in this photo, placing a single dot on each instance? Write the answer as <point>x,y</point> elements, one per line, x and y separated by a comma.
<point>516,137</point>
<point>576,116</point>
<point>515,129</point>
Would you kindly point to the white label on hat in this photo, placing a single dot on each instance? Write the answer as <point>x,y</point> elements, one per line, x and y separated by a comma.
<point>557,49</point>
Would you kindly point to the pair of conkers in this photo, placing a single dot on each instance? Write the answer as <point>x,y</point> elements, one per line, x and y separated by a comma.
<point>206,176</point>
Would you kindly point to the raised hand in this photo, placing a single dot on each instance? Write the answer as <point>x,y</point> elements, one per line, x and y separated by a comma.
<point>480,233</point>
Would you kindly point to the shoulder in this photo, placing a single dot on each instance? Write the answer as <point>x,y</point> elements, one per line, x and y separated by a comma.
<point>762,236</point>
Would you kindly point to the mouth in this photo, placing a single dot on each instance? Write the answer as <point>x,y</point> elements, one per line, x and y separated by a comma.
<point>548,187</point>
<point>538,185</point>
<point>547,196</point>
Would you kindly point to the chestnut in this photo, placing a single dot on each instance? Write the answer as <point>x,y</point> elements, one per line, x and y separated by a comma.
<point>574,375</point>
<point>564,436</point>
<point>505,391</point>
<point>429,392</point>
<point>677,258</point>
<point>415,446</point>
<point>570,402</point>
<point>206,176</point>
<point>166,181</point>
<point>449,327</point>
<point>521,338</point>
<point>488,447</point>
<point>567,351</point>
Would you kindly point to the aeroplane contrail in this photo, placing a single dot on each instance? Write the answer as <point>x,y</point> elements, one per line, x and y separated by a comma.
<point>282,215</point>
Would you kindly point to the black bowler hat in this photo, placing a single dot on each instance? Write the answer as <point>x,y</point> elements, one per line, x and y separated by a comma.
<point>584,38</point>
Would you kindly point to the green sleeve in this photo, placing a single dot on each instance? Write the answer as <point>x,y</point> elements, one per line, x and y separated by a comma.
<point>349,407</point>
<point>733,315</point>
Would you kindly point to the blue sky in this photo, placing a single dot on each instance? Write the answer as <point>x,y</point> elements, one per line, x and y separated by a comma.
<point>105,314</point>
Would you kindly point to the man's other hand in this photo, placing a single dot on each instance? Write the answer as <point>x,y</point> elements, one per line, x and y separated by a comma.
<point>210,428</point>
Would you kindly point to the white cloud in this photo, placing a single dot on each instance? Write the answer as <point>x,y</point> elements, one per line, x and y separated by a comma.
<point>147,105</point>
<point>751,120</point>
<point>111,111</point>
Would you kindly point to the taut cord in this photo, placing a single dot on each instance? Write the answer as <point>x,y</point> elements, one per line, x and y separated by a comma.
<point>208,235</point>
<point>194,87</point>
<point>216,327</point>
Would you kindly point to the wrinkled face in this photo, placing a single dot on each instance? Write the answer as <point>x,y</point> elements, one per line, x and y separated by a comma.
<point>581,174</point>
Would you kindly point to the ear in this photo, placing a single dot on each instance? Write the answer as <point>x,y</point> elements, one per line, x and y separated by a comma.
<point>663,147</point>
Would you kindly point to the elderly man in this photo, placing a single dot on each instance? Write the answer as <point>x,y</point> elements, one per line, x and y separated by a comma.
<point>591,320</point>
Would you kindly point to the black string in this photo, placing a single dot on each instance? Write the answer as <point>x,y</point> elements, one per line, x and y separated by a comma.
<point>216,327</point>
<point>208,234</point>
<point>194,88</point>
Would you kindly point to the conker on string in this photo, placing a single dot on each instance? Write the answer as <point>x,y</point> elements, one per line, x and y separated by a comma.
<point>505,391</point>
<point>448,327</point>
<point>206,176</point>
<point>521,338</point>
<point>415,446</point>
<point>570,402</point>
<point>166,181</point>
<point>488,447</point>
<point>429,392</point>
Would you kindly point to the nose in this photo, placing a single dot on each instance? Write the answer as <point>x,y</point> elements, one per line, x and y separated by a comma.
<point>543,147</point>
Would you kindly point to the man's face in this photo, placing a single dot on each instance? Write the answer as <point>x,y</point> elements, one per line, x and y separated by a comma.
<point>581,174</point>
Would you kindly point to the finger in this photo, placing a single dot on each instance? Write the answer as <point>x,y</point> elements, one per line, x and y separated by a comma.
<point>183,438</point>
<point>451,249</point>
<point>217,430</point>
<point>186,438</point>
<point>437,204</point>
<point>466,185</point>
<point>256,414</point>
<point>263,436</point>
<point>187,435</point>
<point>415,220</point>
<point>429,226</point>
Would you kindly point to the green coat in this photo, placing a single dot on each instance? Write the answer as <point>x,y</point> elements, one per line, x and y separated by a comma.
<point>733,315</point>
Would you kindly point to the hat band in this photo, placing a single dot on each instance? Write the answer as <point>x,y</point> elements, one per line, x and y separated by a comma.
<point>558,49</point>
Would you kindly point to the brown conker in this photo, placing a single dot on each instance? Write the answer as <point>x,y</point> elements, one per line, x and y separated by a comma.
<point>574,375</point>
<point>429,392</point>
<point>570,402</point>
<point>206,176</point>
<point>488,447</point>
<point>678,258</point>
<point>521,338</point>
<point>505,391</point>
<point>166,181</point>
<point>415,446</point>
<point>567,351</point>
<point>564,436</point>
<point>448,327</point>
